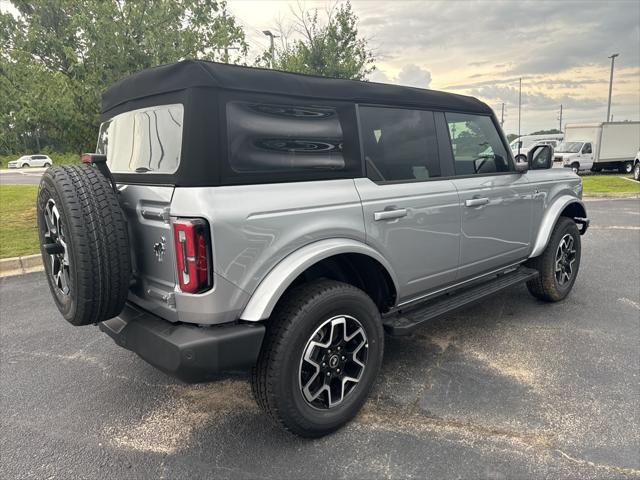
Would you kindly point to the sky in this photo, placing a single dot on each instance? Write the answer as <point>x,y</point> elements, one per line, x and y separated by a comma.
<point>560,49</point>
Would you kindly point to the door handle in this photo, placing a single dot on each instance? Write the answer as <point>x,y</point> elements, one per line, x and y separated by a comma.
<point>476,202</point>
<point>390,214</point>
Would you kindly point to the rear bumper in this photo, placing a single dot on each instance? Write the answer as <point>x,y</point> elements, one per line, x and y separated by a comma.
<point>188,352</point>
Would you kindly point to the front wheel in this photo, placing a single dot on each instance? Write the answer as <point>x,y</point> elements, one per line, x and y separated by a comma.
<point>559,263</point>
<point>636,172</point>
<point>575,167</point>
<point>521,158</point>
<point>320,356</point>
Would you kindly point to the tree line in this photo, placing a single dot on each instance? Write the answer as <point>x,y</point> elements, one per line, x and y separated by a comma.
<point>60,55</point>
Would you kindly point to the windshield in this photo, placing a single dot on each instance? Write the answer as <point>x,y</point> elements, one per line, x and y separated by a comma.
<point>144,140</point>
<point>569,147</point>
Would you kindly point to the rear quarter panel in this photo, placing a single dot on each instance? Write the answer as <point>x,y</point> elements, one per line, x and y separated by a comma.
<point>254,227</point>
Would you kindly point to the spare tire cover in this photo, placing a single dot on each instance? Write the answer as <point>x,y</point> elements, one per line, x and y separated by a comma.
<point>84,243</point>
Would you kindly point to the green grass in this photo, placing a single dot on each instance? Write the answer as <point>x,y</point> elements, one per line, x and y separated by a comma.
<point>609,183</point>
<point>18,228</point>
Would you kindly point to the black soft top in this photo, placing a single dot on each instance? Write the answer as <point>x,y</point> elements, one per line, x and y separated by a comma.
<point>197,73</point>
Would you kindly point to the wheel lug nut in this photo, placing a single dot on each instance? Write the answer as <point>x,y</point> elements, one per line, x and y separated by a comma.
<point>343,357</point>
<point>338,370</point>
<point>328,374</point>
<point>324,364</point>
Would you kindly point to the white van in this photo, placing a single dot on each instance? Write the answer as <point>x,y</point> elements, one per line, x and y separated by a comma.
<point>521,145</point>
<point>598,146</point>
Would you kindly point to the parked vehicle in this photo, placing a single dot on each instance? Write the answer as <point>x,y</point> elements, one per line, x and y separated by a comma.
<point>636,167</point>
<point>598,146</point>
<point>31,161</point>
<point>235,217</point>
<point>521,145</point>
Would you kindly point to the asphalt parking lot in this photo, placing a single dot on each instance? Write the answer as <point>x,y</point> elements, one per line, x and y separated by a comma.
<point>30,176</point>
<point>508,388</point>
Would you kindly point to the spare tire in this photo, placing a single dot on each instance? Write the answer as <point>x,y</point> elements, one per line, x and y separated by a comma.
<point>84,243</point>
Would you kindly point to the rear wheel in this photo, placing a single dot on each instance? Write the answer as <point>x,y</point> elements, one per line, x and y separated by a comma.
<point>321,354</point>
<point>627,168</point>
<point>559,263</point>
<point>84,243</point>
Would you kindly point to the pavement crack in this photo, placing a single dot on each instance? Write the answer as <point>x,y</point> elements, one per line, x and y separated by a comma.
<point>609,468</point>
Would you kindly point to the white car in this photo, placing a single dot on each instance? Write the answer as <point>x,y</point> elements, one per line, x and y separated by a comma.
<point>31,161</point>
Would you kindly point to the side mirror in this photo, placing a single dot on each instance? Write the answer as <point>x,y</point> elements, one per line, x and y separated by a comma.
<point>540,157</point>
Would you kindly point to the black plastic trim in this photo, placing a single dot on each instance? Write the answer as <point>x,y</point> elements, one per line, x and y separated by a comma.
<point>188,352</point>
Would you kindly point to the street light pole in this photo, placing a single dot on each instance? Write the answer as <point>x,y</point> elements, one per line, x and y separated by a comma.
<point>519,107</point>
<point>272,49</point>
<point>613,59</point>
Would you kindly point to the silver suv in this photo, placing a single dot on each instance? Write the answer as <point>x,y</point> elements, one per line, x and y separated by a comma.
<point>235,218</point>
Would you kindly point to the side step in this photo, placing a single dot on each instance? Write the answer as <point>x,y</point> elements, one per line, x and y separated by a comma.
<point>407,321</point>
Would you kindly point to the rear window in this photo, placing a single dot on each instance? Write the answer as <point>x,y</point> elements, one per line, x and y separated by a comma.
<point>280,138</point>
<point>147,140</point>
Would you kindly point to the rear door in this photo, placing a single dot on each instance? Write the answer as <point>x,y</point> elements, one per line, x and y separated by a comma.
<point>496,202</point>
<point>411,214</point>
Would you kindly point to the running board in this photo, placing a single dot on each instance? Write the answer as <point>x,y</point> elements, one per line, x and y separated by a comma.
<point>407,321</point>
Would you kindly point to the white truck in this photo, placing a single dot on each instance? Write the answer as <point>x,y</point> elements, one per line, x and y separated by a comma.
<point>521,145</point>
<point>598,146</point>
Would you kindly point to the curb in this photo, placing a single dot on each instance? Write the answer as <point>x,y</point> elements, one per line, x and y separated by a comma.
<point>20,265</point>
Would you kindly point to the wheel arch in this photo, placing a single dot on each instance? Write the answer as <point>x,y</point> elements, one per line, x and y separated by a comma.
<point>564,206</point>
<point>341,259</point>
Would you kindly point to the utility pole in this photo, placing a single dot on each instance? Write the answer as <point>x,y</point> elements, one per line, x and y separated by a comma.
<point>613,59</point>
<point>519,106</point>
<point>272,49</point>
<point>502,117</point>
<point>560,118</point>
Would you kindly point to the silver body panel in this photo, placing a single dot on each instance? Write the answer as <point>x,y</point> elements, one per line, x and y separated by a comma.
<point>423,246</point>
<point>264,236</point>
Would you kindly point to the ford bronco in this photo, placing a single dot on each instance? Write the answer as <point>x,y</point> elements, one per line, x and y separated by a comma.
<point>236,218</point>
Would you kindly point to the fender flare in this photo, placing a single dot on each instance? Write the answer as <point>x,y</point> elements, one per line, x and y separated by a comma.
<point>549,221</point>
<point>264,298</point>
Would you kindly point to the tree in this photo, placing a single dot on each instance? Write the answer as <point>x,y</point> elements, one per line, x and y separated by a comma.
<point>62,54</point>
<point>546,132</point>
<point>331,49</point>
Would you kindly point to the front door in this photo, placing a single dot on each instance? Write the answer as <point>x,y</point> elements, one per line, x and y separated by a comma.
<point>411,214</point>
<point>496,202</point>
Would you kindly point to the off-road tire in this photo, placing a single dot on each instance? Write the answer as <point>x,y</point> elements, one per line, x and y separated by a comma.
<point>274,379</point>
<point>97,242</point>
<point>545,286</point>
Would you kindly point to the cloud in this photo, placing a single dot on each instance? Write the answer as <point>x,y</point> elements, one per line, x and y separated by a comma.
<point>410,75</point>
<point>537,101</point>
<point>414,76</point>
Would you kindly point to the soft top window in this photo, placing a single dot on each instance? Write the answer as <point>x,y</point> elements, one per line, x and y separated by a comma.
<point>147,140</point>
<point>279,137</point>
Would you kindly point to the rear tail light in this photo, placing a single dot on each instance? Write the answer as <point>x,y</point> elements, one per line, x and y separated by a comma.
<point>193,254</point>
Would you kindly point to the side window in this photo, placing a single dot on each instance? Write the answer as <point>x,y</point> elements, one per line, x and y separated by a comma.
<point>476,144</point>
<point>586,148</point>
<point>399,144</point>
<point>281,138</point>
